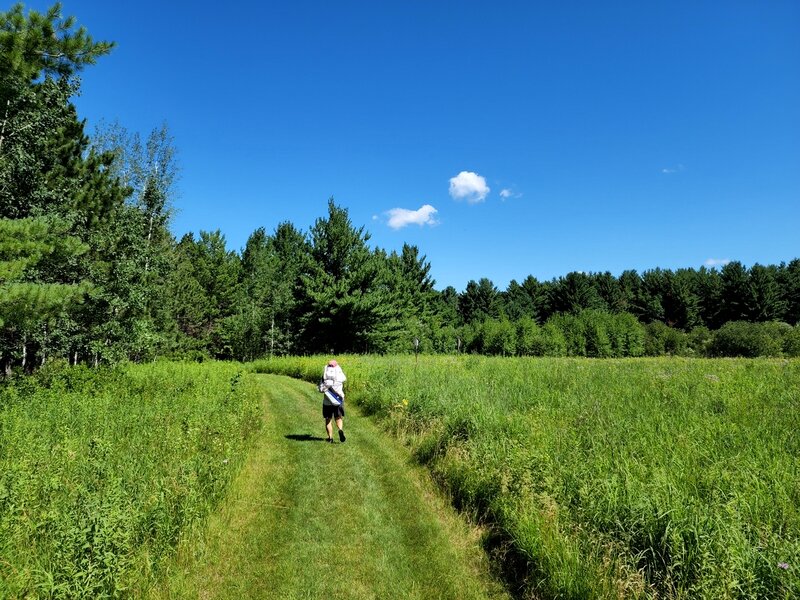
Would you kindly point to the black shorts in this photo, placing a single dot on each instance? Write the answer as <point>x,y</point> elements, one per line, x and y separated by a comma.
<point>332,412</point>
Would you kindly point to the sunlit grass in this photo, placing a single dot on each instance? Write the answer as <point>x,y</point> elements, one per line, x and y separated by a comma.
<point>645,477</point>
<point>101,472</point>
<point>305,519</point>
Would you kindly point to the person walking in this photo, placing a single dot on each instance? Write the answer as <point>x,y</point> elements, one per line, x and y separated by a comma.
<point>332,387</point>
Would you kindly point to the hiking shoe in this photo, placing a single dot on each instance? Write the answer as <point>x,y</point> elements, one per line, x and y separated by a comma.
<point>329,440</point>
<point>341,436</point>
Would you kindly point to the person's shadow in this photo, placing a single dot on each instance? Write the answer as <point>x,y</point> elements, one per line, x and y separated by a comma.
<point>304,437</point>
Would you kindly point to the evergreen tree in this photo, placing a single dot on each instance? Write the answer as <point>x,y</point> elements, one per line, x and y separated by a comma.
<point>574,293</point>
<point>480,301</point>
<point>41,139</point>
<point>446,321</point>
<point>678,299</point>
<point>190,303</point>
<point>341,309</point>
<point>766,302</point>
<point>47,170</point>
<point>413,298</point>
<point>610,291</point>
<point>539,295</point>
<point>206,293</point>
<point>647,303</point>
<point>447,305</point>
<point>517,302</point>
<point>788,277</point>
<point>29,297</point>
<point>256,304</point>
<point>45,43</point>
<point>271,268</point>
<point>293,255</point>
<point>736,294</point>
<point>630,284</point>
<point>708,288</point>
<point>217,271</point>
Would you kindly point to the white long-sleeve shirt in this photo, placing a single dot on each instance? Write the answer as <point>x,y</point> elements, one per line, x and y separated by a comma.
<point>334,377</point>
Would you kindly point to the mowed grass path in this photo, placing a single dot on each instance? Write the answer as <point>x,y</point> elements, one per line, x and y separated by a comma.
<point>307,519</point>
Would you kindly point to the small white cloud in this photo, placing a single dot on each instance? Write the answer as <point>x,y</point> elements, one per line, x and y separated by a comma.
<point>507,193</point>
<point>671,170</point>
<point>469,186</point>
<point>717,262</point>
<point>401,217</point>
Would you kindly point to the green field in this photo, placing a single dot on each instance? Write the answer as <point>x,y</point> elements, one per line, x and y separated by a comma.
<point>652,478</point>
<point>205,481</point>
<point>616,478</point>
<point>101,472</point>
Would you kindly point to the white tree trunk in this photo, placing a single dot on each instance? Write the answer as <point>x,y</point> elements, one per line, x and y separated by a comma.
<point>3,129</point>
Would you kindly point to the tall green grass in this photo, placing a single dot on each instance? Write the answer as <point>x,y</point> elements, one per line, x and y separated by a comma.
<point>652,478</point>
<point>102,471</point>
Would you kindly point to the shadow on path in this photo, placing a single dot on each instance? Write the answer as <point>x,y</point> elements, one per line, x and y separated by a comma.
<point>304,437</point>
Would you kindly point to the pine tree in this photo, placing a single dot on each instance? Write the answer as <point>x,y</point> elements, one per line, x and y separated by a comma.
<point>736,294</point>
<point>610,291</point>
<point>765,302</point>
<point>789,278</point>
<point>647,302</point>
<point>28,300</point>
<point>678,299</point>
<point>41,139</point>
<point>479,301</point>
<point>574,293</point>
<point>47,170</point>
<point>517,303</point>
<point>341,306</point>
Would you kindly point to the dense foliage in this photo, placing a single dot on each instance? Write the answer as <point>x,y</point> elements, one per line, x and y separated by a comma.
<point>648,478</point>
<point>102,470</point>
<point>90,272</point>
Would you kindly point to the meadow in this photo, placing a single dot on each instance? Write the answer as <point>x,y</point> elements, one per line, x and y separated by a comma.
<point>635,478</point>
<point>102,471</point>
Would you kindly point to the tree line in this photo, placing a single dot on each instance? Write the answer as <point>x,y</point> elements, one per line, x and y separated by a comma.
<point>90,272</point>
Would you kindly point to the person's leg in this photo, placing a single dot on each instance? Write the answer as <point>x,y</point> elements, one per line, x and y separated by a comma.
<point>339,426</point>
<point>329,427</point>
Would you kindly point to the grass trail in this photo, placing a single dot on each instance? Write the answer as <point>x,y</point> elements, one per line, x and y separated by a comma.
<point>307,519</point>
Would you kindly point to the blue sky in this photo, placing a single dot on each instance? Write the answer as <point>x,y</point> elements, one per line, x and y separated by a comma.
<point>522,137</point>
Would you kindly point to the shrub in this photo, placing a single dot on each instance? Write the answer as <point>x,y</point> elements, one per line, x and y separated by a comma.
<point>471,338</point>
<point>573,332</point>
<point>595,331</point>
<point>740,338</point>
<point>628,335</point>
<point>662,340</point>
<point>791,342</point>
<point>529,338</point>
<point>444,339</point>
<point>699,340</point>
<point>553,342</point>
<point>597,334</point>
<point>499,337</point>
